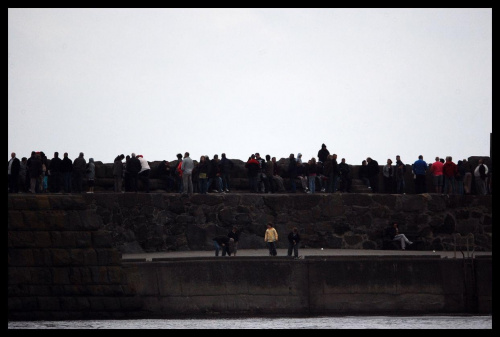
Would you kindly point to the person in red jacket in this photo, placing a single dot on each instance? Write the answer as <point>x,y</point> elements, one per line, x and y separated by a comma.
<point>450,170</point>
<point>252,165</point>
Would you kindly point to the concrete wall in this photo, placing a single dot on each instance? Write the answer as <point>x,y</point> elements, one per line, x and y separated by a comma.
<point>329,285</point>
<point>62,265</point>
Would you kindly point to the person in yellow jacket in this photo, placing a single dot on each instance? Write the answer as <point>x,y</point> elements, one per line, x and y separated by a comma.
<point>270,238</point>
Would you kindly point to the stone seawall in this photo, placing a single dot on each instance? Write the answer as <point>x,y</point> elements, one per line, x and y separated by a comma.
<point>64,261</point>
<point>155,222</point>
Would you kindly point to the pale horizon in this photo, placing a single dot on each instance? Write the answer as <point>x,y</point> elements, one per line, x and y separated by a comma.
<point>366,82</point>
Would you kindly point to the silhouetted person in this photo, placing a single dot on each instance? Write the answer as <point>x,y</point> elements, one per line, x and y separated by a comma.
<point>133,169</point>
<point>66,168</point>
<point>14,166</point>
<point>55,173</point>
<point>373,171</point>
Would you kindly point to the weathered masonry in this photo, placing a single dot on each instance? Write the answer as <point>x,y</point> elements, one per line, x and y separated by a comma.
<point>63,264</point>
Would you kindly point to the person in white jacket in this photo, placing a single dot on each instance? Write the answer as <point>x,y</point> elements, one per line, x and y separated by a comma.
<point>144,173</point>
<point>187,170</point>
<point>480,174</point>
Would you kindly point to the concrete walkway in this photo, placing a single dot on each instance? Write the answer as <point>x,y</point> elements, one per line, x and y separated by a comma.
<point>311,252</point>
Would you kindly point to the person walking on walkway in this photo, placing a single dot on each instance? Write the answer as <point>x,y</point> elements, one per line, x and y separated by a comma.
<point>233,234</point>
<point>271,237</point>
<point>293,242</point>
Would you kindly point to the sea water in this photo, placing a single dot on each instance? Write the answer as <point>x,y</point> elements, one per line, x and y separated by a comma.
<point>323,322</point>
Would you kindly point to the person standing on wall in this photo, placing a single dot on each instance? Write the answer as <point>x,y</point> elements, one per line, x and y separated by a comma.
<point>388,174</point>
<point>203,174</point>
<point>55,173</point>
<point>437,175</point>
<point>187,170</point>
<point>178,173</point>
<point>419,169</point>
<point>79,166</point>
<point>90,171</point>
<point>66,168</point>
<point>373,171</point>
<point>143,174</point>
<point>133,168</point>
<point>480,174</point>
<point>271,237</point>
<point>118,173</point>
<point>226,165</point>
<point>323,153</point>
<point>450,171</point>
<point>13,173</point>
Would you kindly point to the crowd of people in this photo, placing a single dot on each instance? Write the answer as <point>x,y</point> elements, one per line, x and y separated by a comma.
<point>38,174</point>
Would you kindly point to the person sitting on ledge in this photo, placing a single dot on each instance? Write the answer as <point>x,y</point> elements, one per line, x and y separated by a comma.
<point>396,236</point>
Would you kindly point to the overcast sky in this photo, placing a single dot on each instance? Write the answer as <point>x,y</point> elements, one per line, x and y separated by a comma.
<point>157,82</point>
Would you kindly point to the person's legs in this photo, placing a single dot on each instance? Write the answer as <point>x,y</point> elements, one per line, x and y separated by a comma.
<point>467,182</point>
<point>460,187</point>
<point>293,185</point>
<point>190,184</point>
<point>217,248</point>
<point>144,175</point>
<point>270,248</point>
<point>32,184</point>
<point>403,240</point>
<point>219,184</point>
<point>290,247</point>
<point>296,250</point>
<point>185,183</point>
<point>225,182</point>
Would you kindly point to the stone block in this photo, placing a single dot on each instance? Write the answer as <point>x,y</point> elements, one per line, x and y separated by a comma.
<point>21,257</point>
<point>15,221</point>
<point>101,239</point>
<point>40,275</point>
<point>61,257</point>
<point>74,303</point>
<point>99,274</point>
<point>60,275</point>
<point>19,275</point>
<point>49,303</point>
<point>90,257</point>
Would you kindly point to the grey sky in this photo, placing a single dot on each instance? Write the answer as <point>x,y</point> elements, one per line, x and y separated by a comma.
<point>157,82</point>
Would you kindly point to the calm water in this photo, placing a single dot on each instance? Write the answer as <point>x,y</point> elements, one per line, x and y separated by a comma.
<point>346,322</point>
